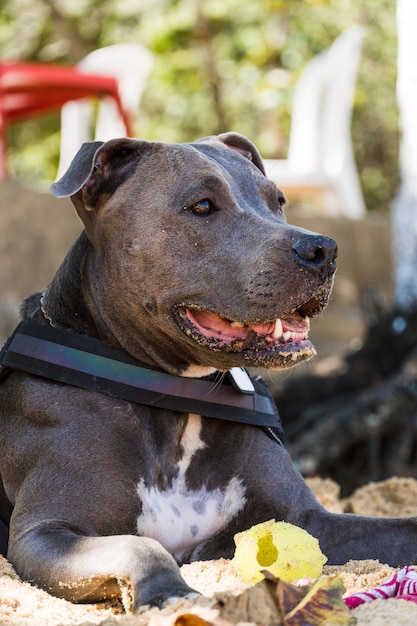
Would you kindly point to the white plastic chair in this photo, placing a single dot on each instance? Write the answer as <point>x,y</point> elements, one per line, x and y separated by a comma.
<point>130,64</point>
<point>320,155</point>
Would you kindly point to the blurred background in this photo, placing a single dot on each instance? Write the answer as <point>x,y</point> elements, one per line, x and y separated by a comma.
<point>218,64</point>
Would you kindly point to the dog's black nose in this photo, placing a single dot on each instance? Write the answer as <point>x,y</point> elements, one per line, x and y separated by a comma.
<point>316,251</point>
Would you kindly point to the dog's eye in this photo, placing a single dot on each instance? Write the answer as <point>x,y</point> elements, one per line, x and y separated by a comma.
<point>203,207</point>
<point>282,200</point>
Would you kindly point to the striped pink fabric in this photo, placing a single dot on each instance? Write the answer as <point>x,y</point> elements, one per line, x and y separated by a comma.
<point>403,585</point>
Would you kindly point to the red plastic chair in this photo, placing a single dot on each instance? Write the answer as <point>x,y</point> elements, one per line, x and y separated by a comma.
<point>29,90</point>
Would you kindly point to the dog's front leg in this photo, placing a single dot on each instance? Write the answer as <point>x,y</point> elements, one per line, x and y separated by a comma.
<point>346,536</point>
<point>275,489</point>
<point>91,569</point>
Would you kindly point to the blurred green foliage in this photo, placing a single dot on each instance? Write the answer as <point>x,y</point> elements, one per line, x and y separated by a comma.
<point>219,65</point>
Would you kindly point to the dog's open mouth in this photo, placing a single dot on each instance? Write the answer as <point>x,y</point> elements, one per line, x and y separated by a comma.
<point>276,344</point>
<point>288,329</point>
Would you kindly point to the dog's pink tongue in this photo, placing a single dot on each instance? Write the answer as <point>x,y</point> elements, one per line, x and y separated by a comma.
<point>218,326</point>
<point>221,326</point>
<point>211,321</point>
<point>262,329</point>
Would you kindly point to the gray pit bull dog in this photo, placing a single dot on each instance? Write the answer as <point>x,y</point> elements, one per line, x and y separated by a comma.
<point>187,264</point>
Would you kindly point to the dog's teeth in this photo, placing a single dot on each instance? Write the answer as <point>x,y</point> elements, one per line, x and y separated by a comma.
<point>277,332</point>
<point>287,336</point>
<point>236,325</point>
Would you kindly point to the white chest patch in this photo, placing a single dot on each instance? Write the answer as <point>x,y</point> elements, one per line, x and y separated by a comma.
<point>180,518</point>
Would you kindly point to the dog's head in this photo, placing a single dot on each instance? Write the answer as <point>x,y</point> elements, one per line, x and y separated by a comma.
<point>191,260</point>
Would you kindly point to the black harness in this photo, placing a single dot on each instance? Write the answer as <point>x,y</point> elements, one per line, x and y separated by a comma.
<point>86,362</point>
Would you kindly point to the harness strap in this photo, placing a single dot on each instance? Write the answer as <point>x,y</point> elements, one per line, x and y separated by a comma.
<point>68,357</point>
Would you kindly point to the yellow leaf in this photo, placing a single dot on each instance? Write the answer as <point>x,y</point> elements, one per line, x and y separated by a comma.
<point>285,550</point>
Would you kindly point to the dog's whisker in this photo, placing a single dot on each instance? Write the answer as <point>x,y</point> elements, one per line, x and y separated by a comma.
<point>219,377</point>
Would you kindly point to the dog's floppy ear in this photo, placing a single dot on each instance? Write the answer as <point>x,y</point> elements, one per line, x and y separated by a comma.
<point>79,171</point>
<point>244,146</point>
<point>98,168</point>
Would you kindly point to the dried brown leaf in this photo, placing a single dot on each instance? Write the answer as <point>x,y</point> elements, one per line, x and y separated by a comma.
<point>274,602</point>
<point>190,619</point>
<point>320,604</point>
<point>289,596</point>
<point>257,604</point>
